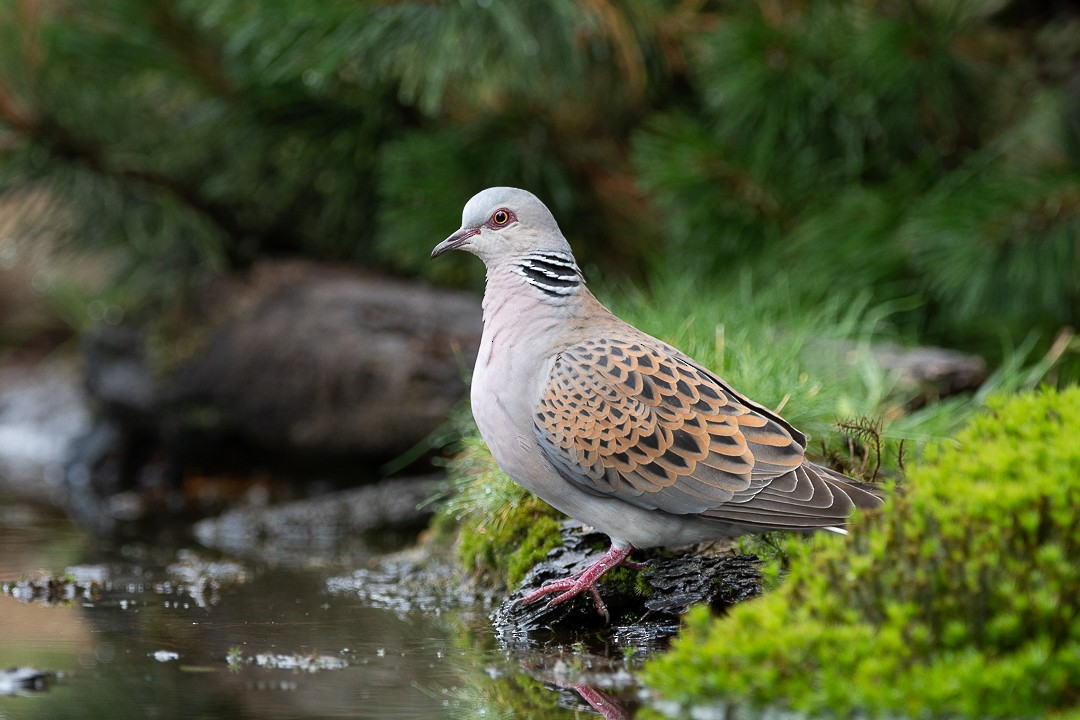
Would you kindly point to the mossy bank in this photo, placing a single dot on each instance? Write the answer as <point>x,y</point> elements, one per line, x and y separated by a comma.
<point>960,598</point>
<point>501,529</point>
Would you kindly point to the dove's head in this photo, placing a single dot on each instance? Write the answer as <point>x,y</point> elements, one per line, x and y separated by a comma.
<point>503,222</point>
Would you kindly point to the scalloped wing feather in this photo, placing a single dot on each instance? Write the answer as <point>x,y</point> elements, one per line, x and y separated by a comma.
<point>638,420</point>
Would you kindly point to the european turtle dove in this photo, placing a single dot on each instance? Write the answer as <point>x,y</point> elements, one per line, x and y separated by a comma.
<point>612,426</point>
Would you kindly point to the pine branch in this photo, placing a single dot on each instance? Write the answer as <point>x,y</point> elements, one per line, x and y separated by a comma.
<point>192,48</point>
<point>67,146</point>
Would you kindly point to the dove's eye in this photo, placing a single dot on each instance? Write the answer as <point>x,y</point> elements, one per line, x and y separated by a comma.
<point>500,218</point>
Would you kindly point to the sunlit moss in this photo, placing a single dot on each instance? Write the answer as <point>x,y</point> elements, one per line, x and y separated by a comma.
<point>959,599</point>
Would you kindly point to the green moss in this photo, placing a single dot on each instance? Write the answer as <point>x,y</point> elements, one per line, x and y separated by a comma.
<point>770,549</point>
<point>541,535</point>
<point>961,598</point>
<point>627,582</point>
<point>502,529</point>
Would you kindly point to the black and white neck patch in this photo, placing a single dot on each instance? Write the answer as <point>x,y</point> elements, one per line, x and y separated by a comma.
<point>553,273</point>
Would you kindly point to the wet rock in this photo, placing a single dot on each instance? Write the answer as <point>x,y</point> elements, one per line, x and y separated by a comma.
<point>421,579</point>
<point>300,356</point>
<point>24,681</point>
<point>293,663</point>
<point>43,412</point>
<point>119,374</point>
<point>925,373</point>
<point>671,584</point>
<point>427,580</point>
<point>311,370</point>
<point>334,525</point>
<point>52,590</point>
<point>203,579</point>
<point>98,465</point>
<point>936,372</point>
<point>190,569</point>
<point>189,580</point>
<point>721,581</point>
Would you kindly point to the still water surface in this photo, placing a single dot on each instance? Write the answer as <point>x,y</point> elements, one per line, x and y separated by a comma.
<point>179,632</point>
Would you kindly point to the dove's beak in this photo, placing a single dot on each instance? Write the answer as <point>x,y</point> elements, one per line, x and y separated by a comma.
<point>454,241</point>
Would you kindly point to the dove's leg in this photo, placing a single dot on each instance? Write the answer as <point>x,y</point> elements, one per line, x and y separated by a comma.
<point>583,581</point>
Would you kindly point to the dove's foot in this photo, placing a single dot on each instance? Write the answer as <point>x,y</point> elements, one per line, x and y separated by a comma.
<point>583,581</point>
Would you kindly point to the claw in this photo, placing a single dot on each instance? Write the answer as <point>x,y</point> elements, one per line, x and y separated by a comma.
<point>600,606</point>
<point>583,581</point>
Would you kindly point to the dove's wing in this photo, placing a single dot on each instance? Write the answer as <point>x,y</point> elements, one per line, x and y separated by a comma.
<point>634,419</point>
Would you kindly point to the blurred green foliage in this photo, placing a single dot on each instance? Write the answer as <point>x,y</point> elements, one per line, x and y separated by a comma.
<point>918,150</point>
<point>958,600</point>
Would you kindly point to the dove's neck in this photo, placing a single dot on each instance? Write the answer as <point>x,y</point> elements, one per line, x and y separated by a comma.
<point>551,275</point>
<point>535,298</point>
<point>533,284</point>
<point>535,306</point>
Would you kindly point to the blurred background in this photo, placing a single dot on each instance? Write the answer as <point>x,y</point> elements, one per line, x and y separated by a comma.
<point>216,295</point>
<point>215,205</point>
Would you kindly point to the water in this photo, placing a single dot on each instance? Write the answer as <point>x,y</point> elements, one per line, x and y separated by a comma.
<point>180,632</point>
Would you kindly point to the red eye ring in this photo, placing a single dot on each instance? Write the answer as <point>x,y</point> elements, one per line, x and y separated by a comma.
<point>500,218</point>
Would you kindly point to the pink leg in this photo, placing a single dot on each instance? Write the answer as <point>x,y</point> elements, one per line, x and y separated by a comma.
<point>583,581</point>
<point>602,703</point>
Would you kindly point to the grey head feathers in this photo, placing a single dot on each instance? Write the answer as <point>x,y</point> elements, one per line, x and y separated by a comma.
<point>512,227</point>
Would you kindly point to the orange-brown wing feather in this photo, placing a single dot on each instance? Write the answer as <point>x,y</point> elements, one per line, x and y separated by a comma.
<point>638,420</point>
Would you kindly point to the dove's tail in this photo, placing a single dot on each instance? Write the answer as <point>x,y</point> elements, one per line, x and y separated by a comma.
<point>810,497</point>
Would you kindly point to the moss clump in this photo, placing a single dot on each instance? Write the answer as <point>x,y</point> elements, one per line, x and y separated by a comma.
<point>627,582</point>
<point>502,529</point>
<point>962,598</point>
